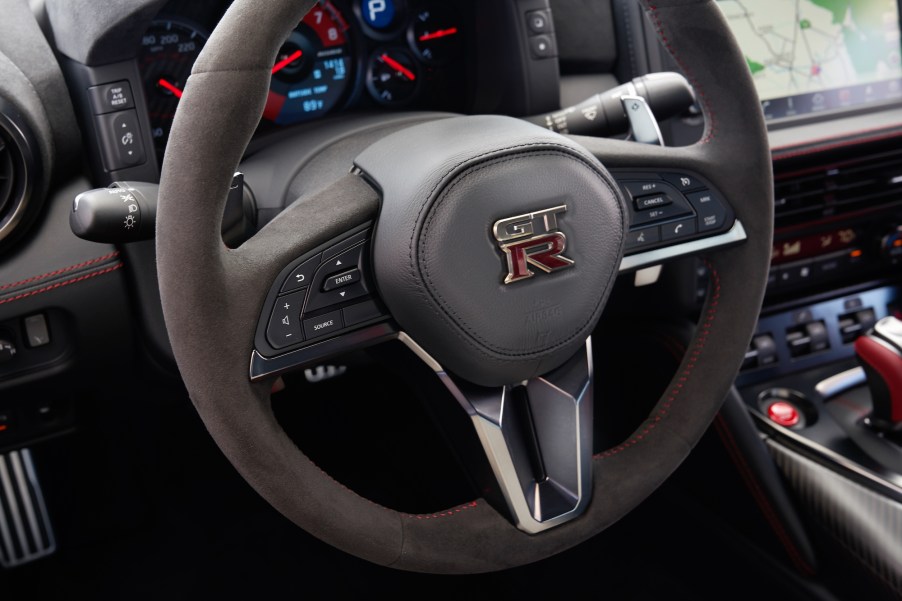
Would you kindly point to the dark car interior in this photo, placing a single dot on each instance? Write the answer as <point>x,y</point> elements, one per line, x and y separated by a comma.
<point>444,297</point>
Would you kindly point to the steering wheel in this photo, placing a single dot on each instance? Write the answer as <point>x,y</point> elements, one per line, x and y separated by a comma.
<point>491,256</point>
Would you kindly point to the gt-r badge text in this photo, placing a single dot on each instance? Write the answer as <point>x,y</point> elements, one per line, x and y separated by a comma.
<point>532,239</point>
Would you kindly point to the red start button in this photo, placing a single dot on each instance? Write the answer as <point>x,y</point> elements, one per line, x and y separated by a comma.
<point>783,413</point>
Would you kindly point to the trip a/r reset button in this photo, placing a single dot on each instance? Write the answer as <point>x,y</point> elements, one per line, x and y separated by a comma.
<point>323,325</point>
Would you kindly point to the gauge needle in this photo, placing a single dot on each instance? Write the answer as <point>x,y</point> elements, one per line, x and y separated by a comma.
<point>441,33</point>
<point>398,67</point>
<point>287,61</point>
<point>165,84</point>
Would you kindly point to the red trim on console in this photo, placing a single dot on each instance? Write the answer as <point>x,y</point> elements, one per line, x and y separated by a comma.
<point>81,278</point>
<point>59,271</point>
<point>886,363</point>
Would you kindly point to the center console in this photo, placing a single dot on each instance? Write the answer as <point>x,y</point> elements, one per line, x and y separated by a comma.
<point>833,117</point>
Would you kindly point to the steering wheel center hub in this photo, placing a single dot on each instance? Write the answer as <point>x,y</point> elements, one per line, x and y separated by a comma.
<point>534,231</point>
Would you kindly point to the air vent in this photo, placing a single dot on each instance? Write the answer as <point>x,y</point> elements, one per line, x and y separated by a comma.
<point>18,171</point>
<point>7,173</point>
<point>866,182</point>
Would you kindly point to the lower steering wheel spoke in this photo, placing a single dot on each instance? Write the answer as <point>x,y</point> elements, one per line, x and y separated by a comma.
<point>536,436</point>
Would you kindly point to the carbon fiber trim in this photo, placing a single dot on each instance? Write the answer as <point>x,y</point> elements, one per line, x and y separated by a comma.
<point>868,524</point>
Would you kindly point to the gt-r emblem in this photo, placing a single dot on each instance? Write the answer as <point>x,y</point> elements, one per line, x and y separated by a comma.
<point>532,239</point>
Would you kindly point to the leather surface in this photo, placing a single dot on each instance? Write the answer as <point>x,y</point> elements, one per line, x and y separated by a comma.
<point>212,297</point>
<point>440,269</point>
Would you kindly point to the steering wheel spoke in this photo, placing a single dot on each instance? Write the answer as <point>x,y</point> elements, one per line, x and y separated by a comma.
<point>536,436</point>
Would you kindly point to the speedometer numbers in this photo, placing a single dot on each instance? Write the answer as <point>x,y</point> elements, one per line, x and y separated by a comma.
<point>168,51</point>
<point>311,74</point>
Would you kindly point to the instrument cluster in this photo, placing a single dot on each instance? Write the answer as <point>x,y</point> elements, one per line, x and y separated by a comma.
<point>344,54</point>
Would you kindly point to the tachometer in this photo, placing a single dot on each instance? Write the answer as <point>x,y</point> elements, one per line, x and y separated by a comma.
<point>168,51</point>
<point>312,71</point>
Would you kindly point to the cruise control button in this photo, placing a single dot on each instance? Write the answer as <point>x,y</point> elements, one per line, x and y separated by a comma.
<point>652,202</point>
<point>683,182</point>
<point>643,237</point>
<point>284,327</point>
<point>637,189</point>
<point>302,275</point>
<point>659,214</point>
<point>317,327</point>
<point>341,280</point>
<point>710,210</point>
<point>680,229</point>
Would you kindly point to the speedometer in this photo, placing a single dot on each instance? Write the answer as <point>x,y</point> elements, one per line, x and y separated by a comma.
<point>312,70</point>
<point>168,51</point>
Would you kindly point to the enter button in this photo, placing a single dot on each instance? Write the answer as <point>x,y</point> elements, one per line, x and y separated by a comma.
<point>316,327</point>
<point>340,280</point>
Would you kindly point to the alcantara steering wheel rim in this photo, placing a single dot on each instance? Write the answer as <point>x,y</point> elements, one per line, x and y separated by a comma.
<point>212,296</point>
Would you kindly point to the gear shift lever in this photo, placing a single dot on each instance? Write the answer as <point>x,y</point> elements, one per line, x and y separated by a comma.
<point>880,353</point>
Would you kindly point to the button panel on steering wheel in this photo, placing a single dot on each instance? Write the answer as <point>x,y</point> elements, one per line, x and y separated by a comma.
<point>671,208</point>
<point>325,293</point>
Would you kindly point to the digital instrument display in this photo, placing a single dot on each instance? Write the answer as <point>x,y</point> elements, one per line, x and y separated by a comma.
<point>312,70</point>
<point>810,56</point>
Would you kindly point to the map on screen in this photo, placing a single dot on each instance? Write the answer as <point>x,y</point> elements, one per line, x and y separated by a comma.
<point>813,55</point>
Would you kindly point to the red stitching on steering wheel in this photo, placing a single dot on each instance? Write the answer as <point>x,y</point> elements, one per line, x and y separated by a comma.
<point>444,514</point>
<point>712,120</point>
<point>681,381</point>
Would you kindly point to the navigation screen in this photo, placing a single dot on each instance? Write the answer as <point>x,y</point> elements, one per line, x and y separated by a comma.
<point>808,56</point>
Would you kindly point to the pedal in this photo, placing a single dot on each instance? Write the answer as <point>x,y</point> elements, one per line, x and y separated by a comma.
<point>25,531</point>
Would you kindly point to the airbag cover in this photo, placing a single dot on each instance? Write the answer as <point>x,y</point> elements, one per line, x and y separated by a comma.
<point>441,268</point>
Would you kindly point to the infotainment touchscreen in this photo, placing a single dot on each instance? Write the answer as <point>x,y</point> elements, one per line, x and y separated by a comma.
<point>812,56</point>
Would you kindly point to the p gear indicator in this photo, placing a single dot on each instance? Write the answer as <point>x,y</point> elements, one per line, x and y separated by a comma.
<point>378,14</point>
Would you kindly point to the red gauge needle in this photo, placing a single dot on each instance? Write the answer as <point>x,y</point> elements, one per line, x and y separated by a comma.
<point>398,67</point>
<point>441,33</point>
<point>165,84</point>
<point>287,61</point>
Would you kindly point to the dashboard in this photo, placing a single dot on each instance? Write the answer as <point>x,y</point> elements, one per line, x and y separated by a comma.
<point>829,77</point>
